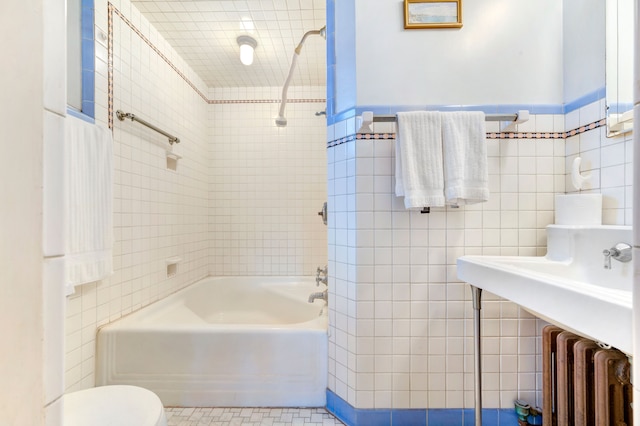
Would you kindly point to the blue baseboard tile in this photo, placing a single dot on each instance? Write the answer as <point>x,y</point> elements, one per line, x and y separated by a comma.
<point>352,416</point>
<point>412,417</point>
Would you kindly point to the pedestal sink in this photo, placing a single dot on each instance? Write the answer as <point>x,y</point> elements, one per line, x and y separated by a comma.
<point>569,287</point>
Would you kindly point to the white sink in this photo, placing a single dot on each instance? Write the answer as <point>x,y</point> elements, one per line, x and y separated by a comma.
<point>569,287</point>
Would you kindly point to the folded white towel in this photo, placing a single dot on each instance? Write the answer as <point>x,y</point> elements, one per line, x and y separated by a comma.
<point>419,161</point>
<point>88,202</point>
<point>466,178</point>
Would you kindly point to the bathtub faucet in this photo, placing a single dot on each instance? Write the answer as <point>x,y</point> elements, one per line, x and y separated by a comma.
<point>319,295</point>
<point>324,272</point>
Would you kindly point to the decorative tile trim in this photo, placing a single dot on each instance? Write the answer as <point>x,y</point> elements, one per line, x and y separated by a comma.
<point>490,135</point>
<point>368,136</point>
<point>344,140</point>
<point>111,9</point>
<point>582,129</point>
<point>263,101</point>
<point>110,64</point>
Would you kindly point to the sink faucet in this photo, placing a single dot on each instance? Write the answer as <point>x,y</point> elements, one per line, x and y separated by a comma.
<point>319,295</point>
<point>620,252</point>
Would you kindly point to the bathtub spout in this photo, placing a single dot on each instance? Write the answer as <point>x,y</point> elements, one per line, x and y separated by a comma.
<point>319,295</point>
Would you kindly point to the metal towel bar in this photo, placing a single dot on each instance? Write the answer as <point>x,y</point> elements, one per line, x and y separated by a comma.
<point>122,115</point>
<point>510,120</point>
<point>488,117</point>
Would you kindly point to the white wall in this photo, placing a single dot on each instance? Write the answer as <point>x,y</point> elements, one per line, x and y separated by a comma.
<point>507,52</point>
<point>583,47</point>
<point>22,399</point>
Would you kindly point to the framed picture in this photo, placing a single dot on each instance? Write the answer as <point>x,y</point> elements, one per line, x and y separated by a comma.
<point>432,14</point>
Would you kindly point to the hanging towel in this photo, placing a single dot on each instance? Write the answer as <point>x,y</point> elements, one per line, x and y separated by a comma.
<point>88,183</point>
<point>466,178</point>
<point>419,173</point>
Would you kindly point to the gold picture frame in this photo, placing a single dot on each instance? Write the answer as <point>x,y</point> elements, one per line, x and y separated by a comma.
<point>432,14</point>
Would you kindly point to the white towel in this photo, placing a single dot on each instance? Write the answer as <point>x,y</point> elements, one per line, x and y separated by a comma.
<point>419,161</point>
<point>88,202</point>
<point>466,178</point>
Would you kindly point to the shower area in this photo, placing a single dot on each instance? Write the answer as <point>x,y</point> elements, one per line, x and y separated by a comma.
<point>238,195</point>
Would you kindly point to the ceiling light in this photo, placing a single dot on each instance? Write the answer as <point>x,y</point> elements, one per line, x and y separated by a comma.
<point>247,44</point>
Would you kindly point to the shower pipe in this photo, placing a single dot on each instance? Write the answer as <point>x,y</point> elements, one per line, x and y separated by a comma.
<point>281,121</point>
<point>122,115</point>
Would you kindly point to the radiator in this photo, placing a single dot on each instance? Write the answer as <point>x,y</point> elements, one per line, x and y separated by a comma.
<point>582,383</point>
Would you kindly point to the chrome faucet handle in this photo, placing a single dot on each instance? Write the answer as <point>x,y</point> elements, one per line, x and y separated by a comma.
<point>324,272</point>
<point>622,252</point>
<point>321,280</point>
<point>607,258</point>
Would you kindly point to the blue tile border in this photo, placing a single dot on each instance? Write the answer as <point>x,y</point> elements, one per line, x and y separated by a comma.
<point>580,102</point>
<point>88,58</point>
<point>352,416</point>
<point>584,100</point>
<point>487,109</point>
<point>80,115</point>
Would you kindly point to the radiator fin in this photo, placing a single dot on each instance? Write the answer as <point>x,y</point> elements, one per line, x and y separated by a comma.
<point>582,383</point>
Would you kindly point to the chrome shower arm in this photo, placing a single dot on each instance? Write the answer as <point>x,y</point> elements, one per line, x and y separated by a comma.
<point>321,32</point>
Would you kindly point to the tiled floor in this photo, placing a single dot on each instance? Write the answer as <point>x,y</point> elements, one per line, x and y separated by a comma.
<point>177,416</point>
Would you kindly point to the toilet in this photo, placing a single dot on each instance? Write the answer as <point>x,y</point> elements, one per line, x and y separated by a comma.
<point>114,405</point>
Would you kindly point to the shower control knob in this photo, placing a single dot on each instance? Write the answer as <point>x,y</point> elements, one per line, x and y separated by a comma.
<point>323,213</point>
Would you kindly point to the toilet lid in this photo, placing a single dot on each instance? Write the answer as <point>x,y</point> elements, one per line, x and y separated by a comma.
<point>115,405</point>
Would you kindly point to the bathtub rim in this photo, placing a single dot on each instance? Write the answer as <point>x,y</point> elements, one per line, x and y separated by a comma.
<point>132,322</point>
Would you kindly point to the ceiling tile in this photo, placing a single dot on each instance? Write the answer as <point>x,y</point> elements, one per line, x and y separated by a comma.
<point>204,32</point>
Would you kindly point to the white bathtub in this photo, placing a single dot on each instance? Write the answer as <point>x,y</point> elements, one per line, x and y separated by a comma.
<point>230,341</point>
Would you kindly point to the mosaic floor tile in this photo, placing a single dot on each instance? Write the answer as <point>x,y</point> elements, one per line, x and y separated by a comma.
<point>179,416</point>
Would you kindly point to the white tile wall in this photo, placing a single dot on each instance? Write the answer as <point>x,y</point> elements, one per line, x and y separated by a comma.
<point>244,198</point>
<point>400,321</point>
<point>158,213</point>
<point>267,184</point>
<point>609,161</point>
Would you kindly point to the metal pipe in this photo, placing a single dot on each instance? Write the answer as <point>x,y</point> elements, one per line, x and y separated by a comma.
<point>281,121</point>
<point>476,295</point>
<point>122,115</point>
<point>487,117</point>
<point>320,32</point>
